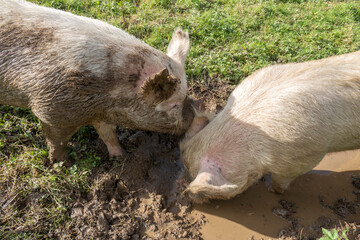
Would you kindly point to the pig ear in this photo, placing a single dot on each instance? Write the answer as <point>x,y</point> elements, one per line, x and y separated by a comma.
<point>179,46</point>
<point>208,185</point>
<point>159,87</point>
<point>198,123</point>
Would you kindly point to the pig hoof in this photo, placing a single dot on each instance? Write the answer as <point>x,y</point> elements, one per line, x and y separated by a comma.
<point>49,162</point>
<point>276,189</point>
<point>279,183</point>
<point>69,163</point>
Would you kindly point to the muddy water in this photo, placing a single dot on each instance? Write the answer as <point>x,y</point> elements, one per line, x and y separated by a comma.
<point>312,202</point>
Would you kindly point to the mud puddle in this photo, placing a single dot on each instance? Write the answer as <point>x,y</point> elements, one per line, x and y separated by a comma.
<point>328,196</point>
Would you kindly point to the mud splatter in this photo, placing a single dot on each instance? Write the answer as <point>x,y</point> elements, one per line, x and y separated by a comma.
<point>286,210</point>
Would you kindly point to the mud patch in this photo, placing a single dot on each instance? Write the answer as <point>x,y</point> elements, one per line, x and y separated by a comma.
<point>342,218</point>
<point>213,93</point>
<point>343,208</point>
<point>136,197</point>
<point>286,210</point>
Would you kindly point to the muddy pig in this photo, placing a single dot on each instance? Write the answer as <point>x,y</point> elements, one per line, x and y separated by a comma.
<point>73,71</point>
<point>281,120</point>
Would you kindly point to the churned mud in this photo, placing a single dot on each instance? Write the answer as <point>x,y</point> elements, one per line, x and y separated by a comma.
<point>327,197</point>
<point>135,197</point>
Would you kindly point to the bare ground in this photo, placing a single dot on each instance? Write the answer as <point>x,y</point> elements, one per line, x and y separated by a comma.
<point>135,197</point>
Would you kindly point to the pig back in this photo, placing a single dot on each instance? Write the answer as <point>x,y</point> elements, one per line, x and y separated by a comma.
<point>313,105</point>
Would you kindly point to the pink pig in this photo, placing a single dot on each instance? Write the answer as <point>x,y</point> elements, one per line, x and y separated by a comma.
<point>73,71</point>
<point>281,120</point>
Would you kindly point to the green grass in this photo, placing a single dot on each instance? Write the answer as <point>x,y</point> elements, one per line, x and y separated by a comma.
<point>230,40</point>
<point>334,234</point>
<point>35,199</point>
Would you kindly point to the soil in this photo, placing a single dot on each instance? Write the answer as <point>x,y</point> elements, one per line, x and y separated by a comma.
<point>135,197</point>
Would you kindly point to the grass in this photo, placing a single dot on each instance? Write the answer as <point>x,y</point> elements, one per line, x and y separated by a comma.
<point>230,40</point>
<point>334,234</point>
<point>35,199</point>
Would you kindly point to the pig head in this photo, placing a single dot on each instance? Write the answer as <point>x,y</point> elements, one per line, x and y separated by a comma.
<point>73,71</point>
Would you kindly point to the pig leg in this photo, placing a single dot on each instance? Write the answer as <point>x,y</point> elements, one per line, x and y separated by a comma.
<point>281,180</point>
<point>107,132</point>
<point>57,140</point>
<point>279,183</point>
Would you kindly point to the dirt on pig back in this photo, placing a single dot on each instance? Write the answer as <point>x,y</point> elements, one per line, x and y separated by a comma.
<point>135,197</point>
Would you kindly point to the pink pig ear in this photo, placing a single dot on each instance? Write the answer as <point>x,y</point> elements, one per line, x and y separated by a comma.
<point>159,87</point>
<point>210,184</point>
<point>179,46</point>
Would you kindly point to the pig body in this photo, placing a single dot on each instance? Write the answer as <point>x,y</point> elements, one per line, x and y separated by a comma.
<point>73,71</point>
<point>281,120</point>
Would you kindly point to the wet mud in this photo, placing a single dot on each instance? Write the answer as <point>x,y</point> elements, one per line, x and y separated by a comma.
<point>326,197</point>
<point>135,197</point>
